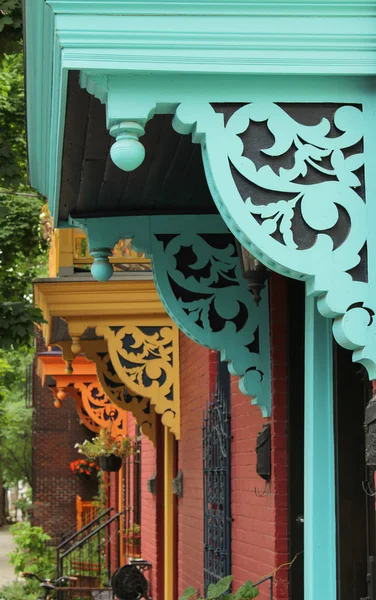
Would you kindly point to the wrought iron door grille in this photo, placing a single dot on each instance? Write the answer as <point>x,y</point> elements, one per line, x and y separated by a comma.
<point>216,438</point>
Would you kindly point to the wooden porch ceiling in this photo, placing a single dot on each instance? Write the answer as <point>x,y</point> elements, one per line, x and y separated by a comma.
<point>171,179</point>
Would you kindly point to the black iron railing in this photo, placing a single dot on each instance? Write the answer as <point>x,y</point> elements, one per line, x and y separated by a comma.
<point>68,539</point>
<point>92,554</point>
<point>269,578</point>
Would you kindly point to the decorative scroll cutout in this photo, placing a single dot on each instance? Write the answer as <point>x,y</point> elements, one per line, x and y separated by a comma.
<point>146,360</point>
<point>303,215</point>
<point>99,408</point>
<point>199,280</point>
<point>198,277</point>
<point>120,395</point>
<point>85,418</point>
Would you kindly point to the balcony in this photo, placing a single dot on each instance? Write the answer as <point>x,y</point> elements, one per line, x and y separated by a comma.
<point>69,255</point>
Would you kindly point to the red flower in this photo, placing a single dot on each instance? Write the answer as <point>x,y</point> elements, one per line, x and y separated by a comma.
<point>83,467</point>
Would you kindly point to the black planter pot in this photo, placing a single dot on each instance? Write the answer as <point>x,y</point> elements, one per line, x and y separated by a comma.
<point>110,463</point>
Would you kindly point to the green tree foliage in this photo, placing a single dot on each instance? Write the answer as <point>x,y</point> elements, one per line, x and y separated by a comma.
<point>15,419</point>
<point>10,25</point>
<point>12,122</point>
<point>22,248</point>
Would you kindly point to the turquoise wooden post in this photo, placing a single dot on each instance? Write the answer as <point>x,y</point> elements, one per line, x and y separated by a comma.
<point>319,484</point>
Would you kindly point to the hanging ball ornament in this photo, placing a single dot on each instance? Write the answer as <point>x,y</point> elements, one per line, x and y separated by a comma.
<point>101,269</point>
<point>61,395</point>
<point>57,404</point>
<point>127,152</point>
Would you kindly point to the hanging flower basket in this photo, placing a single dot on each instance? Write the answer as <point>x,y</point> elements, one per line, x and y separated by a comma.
<point>110,463</point>
<point>108,450</point>
<point>84,469</point>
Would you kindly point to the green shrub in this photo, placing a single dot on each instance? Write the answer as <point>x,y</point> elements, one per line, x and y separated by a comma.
<point>20,590</point>
<point>32,553</point>
<point>221,590</point>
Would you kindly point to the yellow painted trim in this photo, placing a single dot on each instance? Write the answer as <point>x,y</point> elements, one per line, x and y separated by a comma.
<point>70,248</point>
<point>156,358</point>
<point>169,515</point>
<point>64,248</point>
<point>89,303</point>
<point>115,389</point>
<point>120,510</point>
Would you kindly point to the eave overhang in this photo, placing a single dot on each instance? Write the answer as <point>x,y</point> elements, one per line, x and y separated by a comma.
<point>94,408</point>
<point>124,37</point>
<point>137,361</point>
<point>87,303</point>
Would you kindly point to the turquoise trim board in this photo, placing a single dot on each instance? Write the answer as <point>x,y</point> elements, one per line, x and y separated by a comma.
<point>323,188</point>
<point>198,278</point>
<point>171,37</point>
<point>320,572</point>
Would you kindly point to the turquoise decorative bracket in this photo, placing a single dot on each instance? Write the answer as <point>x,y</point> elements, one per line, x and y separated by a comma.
<point>309,219</point>
<point>292,181</point>
<point>198,276</point>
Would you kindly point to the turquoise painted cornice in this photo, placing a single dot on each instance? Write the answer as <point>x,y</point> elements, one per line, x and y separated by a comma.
<point>241,37</point>
<point>197,274</point>
<point>181,58</point>
<point>220,7</point>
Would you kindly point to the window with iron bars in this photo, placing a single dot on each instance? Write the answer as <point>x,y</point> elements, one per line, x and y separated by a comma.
<point>216,441</point>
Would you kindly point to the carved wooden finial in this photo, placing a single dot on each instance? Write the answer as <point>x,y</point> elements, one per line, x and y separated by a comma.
<point>101,269</point>
<point>68,367</point>
<point>127,152</point>
<point>76,346</point>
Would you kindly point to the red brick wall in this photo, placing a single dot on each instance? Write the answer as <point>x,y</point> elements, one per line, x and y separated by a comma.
<point>194,392</point>
<point>149,511</point>
<point>55,432</point>
<point>259,534</point>
<point>260,529</point>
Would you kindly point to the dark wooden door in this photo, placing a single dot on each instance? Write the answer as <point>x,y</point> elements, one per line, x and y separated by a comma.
<point>295,432</point>
<point>353,525</point>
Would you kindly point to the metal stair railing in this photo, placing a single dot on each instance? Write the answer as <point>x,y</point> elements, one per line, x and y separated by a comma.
<point>72,538</point>
<point>92,558</point>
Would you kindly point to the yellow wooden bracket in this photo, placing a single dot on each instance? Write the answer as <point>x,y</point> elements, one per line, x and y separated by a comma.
<point>115,389</point>
<point>146,359</point>
<point>143,342</point>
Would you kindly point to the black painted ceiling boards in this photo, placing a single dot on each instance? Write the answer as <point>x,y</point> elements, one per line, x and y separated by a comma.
<point>171,179</point>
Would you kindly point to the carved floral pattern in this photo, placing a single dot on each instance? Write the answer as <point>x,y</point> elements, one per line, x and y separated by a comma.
<point>307,218</point>
<point>124,398</point>
<point>200,282</point>
<point>95,405</point>
<point>143,358</point>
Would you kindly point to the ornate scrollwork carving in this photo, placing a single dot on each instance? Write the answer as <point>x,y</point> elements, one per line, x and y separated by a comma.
<point>145,358</point>
<point>198,277</point>
<point>120,395</point>
<point>289,182</point>
<point>199,280</point>
<point>95,405</point>
<point>83,415</point>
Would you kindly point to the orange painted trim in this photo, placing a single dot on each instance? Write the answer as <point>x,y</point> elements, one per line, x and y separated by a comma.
<point>54,365</point>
